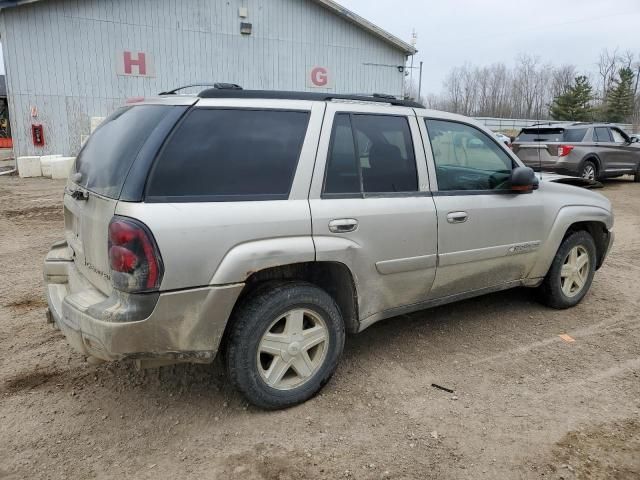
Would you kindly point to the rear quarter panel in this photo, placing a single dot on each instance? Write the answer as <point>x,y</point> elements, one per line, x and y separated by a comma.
<point>196,238</point>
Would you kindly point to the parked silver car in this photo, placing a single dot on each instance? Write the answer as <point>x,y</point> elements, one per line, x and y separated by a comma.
<point>265,225</point>
<point>592,151</point>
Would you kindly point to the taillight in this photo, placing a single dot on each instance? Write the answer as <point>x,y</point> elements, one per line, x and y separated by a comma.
<point>136,265</point>
<point>564,150</point>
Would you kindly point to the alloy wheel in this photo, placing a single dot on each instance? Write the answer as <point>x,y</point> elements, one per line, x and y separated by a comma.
<point>589,172</point>
<point>575,271</point>
<point>292,349</point>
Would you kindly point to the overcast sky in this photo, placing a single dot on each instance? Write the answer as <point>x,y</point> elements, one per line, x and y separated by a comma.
<point>483,32</point>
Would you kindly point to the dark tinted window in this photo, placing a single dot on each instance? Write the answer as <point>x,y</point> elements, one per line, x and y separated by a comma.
<point>534,134</point>
<point>376,150</point>
<point>110,151</point>
<point>467,158</point>
<point>342,171</point>
<point>575,135</point>
<point>220,154</point>
<point>601,134</point>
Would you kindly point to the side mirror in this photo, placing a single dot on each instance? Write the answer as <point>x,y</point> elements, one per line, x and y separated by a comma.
<point>634,140</point>
<point>523,180</point>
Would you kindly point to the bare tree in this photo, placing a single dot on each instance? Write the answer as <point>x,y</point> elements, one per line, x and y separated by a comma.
<point>562,78</point>
<point>608,65</point>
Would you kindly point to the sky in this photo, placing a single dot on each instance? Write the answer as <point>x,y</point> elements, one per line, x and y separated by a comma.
<point>481,32</point>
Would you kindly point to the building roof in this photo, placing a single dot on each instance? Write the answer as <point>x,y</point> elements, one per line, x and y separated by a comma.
<point>330,5</point>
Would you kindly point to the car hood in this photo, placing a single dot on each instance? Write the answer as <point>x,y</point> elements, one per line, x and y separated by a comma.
<point>567,180</point>
<point>574,195</point>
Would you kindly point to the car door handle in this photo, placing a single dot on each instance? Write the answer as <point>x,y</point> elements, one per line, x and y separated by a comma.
<point>343,225</point>
<point>457,217</point>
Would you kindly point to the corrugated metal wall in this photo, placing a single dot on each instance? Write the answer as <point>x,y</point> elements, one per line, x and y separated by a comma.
<point>61,56</point>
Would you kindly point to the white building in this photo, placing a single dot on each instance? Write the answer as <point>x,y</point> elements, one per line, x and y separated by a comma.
<point>67,61</point>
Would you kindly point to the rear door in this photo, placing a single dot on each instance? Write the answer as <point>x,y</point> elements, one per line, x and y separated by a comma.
<point>371,205</point>
<point>605,149</point>
<point>98,178</point>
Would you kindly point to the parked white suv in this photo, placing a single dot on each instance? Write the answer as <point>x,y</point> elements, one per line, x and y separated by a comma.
<point>265,225</point>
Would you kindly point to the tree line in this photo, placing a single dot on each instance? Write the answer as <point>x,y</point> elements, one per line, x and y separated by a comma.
<point>536,90</point>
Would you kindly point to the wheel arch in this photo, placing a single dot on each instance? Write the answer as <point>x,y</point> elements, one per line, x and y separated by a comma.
<point>595,159</point>
<point>595,220</point>
<point>333,277</point>
<point>598,232</point>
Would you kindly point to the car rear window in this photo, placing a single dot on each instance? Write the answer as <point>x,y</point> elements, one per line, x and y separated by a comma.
<point>105,160</point>
<point>541,135</point>
<point>229,155</point>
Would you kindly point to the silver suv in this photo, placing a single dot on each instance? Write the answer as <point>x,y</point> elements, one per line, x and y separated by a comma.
<point>588,150</point>
<point>265,225</point>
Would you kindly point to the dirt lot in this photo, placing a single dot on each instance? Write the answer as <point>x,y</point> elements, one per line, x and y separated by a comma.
<point>526,403</point>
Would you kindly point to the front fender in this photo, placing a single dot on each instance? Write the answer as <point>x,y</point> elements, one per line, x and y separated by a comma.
<point>566,217</point>
<point>247,258</point>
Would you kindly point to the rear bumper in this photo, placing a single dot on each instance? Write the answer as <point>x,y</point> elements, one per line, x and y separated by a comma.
<point>185,325</point>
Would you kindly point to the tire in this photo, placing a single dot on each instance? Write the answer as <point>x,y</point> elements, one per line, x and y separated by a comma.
<point>266,356</point>
<point>589,170</point>
<point>551,292</point>
<point>636,176</point>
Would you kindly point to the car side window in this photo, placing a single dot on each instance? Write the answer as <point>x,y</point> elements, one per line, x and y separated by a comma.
<point>218,154</point>
<point>601,134</point>
<point>467,158</point>
<point>617,136</point>
<point>370,154</point>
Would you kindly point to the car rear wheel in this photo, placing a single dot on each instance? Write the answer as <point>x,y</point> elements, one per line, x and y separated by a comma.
<point>284,345</point>
<point>571,272</point>
<point>636,176</point>
<point>589,170</point>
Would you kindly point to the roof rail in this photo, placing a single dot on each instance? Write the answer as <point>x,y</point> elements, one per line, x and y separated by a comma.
<point>311,96</point>
<point>217,85</point>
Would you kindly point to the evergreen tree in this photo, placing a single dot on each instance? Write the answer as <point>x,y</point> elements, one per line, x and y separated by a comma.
<point>575,103</point>
<point>620,99</point>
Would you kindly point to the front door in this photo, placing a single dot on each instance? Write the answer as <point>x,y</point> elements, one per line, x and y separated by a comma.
<point>370,205</point>
<point>487,235</point>
<point>625,154</point>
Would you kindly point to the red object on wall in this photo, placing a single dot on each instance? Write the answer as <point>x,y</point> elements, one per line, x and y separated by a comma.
<point>6,143</point>
<point>37,134</point>
<point>140,62</point>
<point>319,76</point>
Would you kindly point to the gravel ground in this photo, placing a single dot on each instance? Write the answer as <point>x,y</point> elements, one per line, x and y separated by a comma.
<point>526,404</point>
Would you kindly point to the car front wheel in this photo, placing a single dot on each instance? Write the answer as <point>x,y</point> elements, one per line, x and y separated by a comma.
<point>571,272</point>
<point>284,345</point>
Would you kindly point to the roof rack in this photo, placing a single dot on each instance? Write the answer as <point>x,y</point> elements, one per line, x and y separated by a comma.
<point>218,92</point>
<point>217,85</point>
